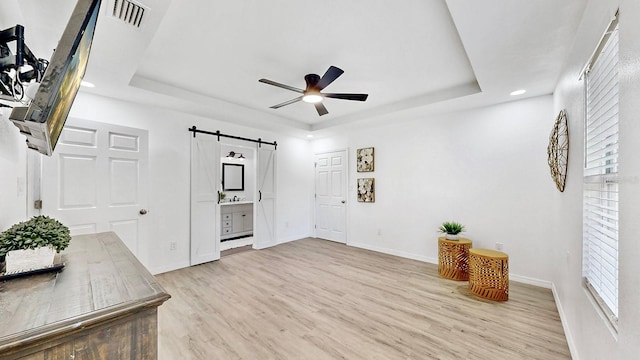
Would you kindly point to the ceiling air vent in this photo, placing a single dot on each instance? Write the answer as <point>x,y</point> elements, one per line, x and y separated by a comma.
<point>128,11</point>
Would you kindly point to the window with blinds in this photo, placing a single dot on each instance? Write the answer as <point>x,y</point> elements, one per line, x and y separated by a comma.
<point>600,209</point>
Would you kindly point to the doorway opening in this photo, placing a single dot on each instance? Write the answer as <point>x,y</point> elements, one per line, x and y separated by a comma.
<point>238,195</point>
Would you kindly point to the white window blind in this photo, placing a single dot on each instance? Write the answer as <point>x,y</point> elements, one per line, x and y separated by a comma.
<point>600,210</point>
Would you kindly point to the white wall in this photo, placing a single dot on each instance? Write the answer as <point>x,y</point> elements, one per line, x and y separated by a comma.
<point>584,324</point>
<point>295,179</point>
<point>169,173</point>
<point>13,173</point>
<point>486,168</point>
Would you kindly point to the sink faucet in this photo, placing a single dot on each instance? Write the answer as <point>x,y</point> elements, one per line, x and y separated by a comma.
<point>235,198</point>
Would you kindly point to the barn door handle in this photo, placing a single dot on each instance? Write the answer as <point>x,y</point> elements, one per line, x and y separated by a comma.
<point>260,195</point>
<point>143,211</point>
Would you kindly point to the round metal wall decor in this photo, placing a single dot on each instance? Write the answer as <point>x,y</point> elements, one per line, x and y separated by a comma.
<point>558,151</point>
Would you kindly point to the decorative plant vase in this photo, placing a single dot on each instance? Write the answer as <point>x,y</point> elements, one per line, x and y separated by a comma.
<point>30,259</point>
<point>452,236</point>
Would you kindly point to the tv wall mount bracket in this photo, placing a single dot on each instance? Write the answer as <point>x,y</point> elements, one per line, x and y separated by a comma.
<point>19,68</point>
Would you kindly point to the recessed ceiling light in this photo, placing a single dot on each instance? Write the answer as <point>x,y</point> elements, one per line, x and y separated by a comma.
<point>87,84</point>
<point>518,92</point>
<point>309,136</point>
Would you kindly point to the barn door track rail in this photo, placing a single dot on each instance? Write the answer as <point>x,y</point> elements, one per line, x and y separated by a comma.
<point>219,135</point>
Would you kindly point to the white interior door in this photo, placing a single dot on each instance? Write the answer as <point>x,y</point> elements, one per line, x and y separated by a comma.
<point>96,181</point>
<point>265,219</point>
<point>205,184</point>
<point>331,195</point>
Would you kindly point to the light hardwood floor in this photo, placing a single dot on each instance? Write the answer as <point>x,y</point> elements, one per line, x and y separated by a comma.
<point>315,299</point>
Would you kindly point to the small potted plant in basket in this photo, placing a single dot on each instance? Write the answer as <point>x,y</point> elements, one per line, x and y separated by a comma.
<point>451,230</point>
<point>33,244</point>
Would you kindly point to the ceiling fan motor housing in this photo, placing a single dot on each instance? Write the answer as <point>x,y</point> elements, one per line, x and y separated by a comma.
<point>312,81</point>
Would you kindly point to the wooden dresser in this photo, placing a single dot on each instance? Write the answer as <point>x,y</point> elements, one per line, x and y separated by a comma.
<point>102,305</point>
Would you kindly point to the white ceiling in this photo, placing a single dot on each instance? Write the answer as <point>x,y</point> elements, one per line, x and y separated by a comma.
<point>206,57</point>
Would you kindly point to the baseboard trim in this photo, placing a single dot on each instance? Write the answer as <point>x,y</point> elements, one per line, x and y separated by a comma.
<point>170,267</point>
<point>394,252</point>
<point>563,320</point>
<point>286,241</point>
<point>185,264</point>
<point>293,238</point>
<point>518,278</point>
<point>531,281</point>
<point>264,246</point>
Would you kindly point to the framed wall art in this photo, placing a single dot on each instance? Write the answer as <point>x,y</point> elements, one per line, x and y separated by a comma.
<point>365,159</point>
<point>558,151</point>
<point>366,190</point>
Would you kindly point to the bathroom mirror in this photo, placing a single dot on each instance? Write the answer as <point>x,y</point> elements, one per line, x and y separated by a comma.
<point>232,177</point>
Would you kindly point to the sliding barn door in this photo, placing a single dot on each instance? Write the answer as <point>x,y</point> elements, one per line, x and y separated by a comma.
<point>265,232</point>
<point>205,184</point>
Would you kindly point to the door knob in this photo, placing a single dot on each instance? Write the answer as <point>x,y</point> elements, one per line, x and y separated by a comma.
<point>143,211</point>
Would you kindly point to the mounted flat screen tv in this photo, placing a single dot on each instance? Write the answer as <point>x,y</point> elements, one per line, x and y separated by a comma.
<point>42,121</point>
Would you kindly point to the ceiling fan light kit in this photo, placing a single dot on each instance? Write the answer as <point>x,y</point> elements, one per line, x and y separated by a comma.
<point>312,98</point>
<point>313,92</point>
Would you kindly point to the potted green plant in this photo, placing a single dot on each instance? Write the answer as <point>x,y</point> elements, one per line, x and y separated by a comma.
<point>32,244</point>
<point>451,230</point>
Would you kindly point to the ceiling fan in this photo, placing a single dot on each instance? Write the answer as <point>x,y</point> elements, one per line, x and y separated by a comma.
<point>312,94</point>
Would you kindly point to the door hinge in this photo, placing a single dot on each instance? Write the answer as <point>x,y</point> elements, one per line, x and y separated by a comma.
<point>37,204</point>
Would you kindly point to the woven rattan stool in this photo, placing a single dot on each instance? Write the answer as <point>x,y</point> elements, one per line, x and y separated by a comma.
<point>453,258</point>
<point>489,274</point>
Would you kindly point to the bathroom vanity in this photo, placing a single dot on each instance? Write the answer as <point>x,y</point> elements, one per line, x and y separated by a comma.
<point>237,220</point>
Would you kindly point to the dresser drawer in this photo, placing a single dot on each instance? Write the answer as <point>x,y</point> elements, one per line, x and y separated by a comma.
<point>226,223</point>
<point>226,231</point>
<point>226,217</point>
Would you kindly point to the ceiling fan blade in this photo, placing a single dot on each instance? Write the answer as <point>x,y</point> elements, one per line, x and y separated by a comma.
<point>321,109</point>
<point>357,97</point>
<point>287,102</point>
<point>328,77</point>
<point>267,81</point>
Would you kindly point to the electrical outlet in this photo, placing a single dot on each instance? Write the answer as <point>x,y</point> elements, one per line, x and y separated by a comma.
<point>499,246</point>
<point>173,245</point>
